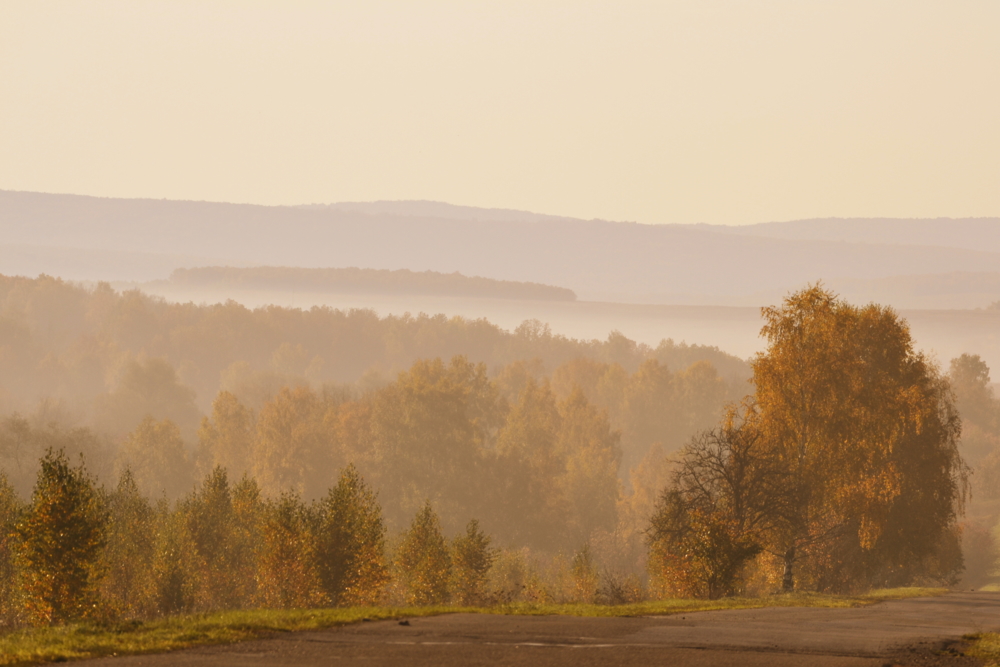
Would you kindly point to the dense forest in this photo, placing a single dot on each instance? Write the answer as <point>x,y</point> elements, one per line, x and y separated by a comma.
<point>105,360</point>
<point>493,466</point>
<point>366,281</point>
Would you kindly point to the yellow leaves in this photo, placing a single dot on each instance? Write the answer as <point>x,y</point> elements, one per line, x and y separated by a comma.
<point>841,391</point>
<point>60,539</point>
<point>292,450</point>
<point>157,458</point>
<point>423,560</point>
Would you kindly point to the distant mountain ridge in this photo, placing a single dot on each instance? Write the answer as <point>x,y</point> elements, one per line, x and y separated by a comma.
<point>80,237</point>
<point>970,233</point>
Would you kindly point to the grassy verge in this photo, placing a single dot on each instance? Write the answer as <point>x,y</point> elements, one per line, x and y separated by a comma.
<point>78,641</point>
<point>986,647</point>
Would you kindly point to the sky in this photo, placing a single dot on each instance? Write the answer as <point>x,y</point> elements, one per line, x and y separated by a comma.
<point>725,112</point>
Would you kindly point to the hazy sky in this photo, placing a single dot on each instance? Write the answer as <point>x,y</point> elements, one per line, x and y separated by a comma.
<point>696,111</point>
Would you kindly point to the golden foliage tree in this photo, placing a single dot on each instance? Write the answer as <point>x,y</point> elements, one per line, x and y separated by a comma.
<point>527,507</point>
<point>289,577</point>
<point>226,439</point>
<point>423,560</point>
<point>429,430</point>
<point>351,543</point>
<point>211,523</point>
<point>157,458</point>
<point>589,479</point>
<point>129,552</point>
<point>61,536</point>
<point>472,558</point>
<point>866,432</point>
<point>293,450</point>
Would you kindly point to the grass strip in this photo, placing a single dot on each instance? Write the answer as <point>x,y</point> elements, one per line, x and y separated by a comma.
<point>985,646</point>
<point>86,640</point>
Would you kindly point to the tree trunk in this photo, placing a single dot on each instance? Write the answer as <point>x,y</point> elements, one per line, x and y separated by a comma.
<point>788,579</point>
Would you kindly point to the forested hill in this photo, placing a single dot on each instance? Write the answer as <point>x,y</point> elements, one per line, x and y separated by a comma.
<point>130,239</point>
<point>365,281</point>
<point>107,359</point>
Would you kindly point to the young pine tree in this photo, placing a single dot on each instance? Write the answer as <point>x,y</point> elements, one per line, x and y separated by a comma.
<point>472,558</point>
<point>245,547</point>
<point>210,521</point>
<point>177,568</point>
<point>351,543</point>
<point>128,555</point>
<point>288,572</point>
<point>61,537</point>
<point>423,560</point>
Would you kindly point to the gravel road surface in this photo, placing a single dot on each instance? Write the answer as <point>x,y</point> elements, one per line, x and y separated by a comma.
<point>919,632</point>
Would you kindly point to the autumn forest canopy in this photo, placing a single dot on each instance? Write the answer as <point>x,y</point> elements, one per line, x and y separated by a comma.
<point>212,456</point>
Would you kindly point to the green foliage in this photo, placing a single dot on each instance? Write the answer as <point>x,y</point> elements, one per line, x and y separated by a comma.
<point>423,560</point>
<point>471,557</point>
<point>351,543</point>
<point>61,535</point>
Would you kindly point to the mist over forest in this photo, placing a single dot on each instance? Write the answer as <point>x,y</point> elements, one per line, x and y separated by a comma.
<point>561,389</point>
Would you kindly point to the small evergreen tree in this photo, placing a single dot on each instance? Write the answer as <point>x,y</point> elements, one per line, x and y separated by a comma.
<point>129,551</point>
<point>210,521</point>
<point>289,576</point>
<point>472,558</point>
<point>424,561</point>
<point>245,549</point>
<point>351,544</point>
<point>176,564</point>
<point>61,538</point>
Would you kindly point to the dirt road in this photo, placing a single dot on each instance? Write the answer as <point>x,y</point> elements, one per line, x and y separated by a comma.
<point>905,632</point>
